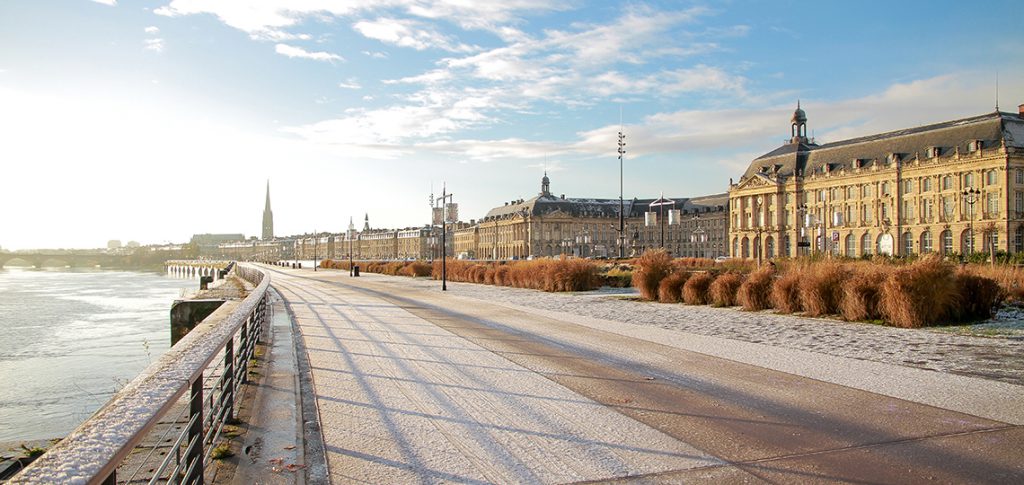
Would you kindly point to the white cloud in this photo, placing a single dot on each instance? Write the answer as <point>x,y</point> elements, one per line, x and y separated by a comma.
<point>112,3</point>
<point>376,54</point>
<point>350,83</point>
<point>155,45</point>
<point>298,52</point>
<point>408,33</point>
<point>152,30</point>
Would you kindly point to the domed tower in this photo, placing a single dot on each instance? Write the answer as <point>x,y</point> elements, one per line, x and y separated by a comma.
<point>798,128</point>
<point>545,185</point>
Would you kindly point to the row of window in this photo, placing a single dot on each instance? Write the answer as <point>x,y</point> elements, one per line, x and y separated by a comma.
<point>870,245</point>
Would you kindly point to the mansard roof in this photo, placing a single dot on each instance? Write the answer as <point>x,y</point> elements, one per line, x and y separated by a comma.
<point>589,207</point>
<point>948,137</point>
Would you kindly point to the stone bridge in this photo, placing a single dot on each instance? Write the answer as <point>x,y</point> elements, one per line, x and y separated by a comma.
<point>58,259</point>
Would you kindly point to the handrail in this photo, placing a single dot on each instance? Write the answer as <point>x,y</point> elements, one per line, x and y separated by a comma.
<point>93,451</point>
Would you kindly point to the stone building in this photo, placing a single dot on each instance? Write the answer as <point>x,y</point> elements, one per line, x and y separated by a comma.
<point>547,226</point>
<point>316,246</point>
<point>917,190</point>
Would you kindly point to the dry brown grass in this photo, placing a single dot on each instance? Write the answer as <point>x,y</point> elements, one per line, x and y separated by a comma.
<point>979,296</point>
<point>670,290</point>
<point>1009,278</point>
<point>649,270</point>
<point>756,291</point>
<point>861,292</point>
<point>723,290</point>
<point>786,291</point>
<point>919,295</point>
<point>821,288</point>
<point>695,290</point>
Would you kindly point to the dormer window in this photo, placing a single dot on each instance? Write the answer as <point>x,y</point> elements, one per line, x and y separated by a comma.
<point>974,146</point>
<point>894,158</point>
<point>933,152</point>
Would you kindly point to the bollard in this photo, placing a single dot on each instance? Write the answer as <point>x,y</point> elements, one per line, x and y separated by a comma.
<point>355,270</point>
<point>204,282</point>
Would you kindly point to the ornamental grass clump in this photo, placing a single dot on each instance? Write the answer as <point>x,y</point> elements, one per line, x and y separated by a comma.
<point>979,296</point>
<point>785,295</point>
<point>648,271</point>
<point>921,294</point>
<point>821,288</point>
<point>756,291</point>
<point>723,290</point>
<point>670,290</point>
<point>862,291</point>
<point>695,290</point>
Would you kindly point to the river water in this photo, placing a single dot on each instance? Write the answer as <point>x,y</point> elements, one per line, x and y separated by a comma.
<point>70,339</point>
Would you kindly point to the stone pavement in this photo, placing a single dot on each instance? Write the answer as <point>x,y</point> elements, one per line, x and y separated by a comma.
<point>415,386</point>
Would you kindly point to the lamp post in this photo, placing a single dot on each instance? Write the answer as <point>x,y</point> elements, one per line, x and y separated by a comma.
<point>445,197</point>
<point>698,236</point>
<point>351,236</point>
<point>758,221</point>
<point>622,226</point>
<point>661,203</point>
<point>971,196</point>
<point>804,209</point>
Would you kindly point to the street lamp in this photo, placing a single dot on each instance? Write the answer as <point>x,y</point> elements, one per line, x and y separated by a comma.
<point>582,240</point>
<point>445,197</point>
<point>758,221</point>
<point>351,236</point>
<point>807,224</point>
<point>622,226</point>
<point>661,203</point>
<point>698,236</point>
<point>971,196</point>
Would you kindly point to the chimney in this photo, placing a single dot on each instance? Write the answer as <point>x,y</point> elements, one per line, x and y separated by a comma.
<point>1020,110</point>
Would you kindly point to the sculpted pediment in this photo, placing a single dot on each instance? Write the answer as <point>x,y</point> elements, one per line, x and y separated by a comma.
<point>756,180</point>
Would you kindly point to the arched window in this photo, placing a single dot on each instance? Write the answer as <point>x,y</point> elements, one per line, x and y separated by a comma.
<point>866,243</point>
<point>908,243</point>
<point>967,242</point>
<point>788,245</point>
<point>851,246</point>
<point>926,242</point>
<point>769,243</point>
<point>947,242</point>
<point>746,248</point>
<point>1018,240</point>
<point>735,247</point>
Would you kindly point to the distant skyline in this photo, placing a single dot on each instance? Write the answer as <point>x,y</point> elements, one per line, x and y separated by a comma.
<point>154,120</point>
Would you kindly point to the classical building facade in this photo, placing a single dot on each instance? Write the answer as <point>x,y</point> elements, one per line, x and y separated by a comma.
<point>951,187</point>
<point>548,226</point>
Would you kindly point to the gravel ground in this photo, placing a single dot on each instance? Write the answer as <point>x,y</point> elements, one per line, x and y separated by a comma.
<point>958,350</point>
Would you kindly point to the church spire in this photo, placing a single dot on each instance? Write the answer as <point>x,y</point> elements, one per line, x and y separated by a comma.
<point>268,217</point>
<point>545,185</point>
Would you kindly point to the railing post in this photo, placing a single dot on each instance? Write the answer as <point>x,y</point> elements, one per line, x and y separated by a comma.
<point>194,459</point>
<point>228,383</point>
<point>244,347</point>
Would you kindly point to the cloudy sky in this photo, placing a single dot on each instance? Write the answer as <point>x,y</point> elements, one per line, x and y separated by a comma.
<point>154,120</point>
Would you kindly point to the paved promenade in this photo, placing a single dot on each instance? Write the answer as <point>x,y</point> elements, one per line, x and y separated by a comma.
<point>415,386</point>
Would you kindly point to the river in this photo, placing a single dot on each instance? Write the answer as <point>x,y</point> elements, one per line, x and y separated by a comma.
<point>70,339</point>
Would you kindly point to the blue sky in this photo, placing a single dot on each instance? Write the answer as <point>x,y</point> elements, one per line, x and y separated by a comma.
<point>154,120</point>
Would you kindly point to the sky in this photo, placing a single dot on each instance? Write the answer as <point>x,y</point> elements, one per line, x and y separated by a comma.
<point>155,120</point>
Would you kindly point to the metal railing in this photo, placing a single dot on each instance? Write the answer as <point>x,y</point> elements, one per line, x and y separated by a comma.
<point>94,451</point>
